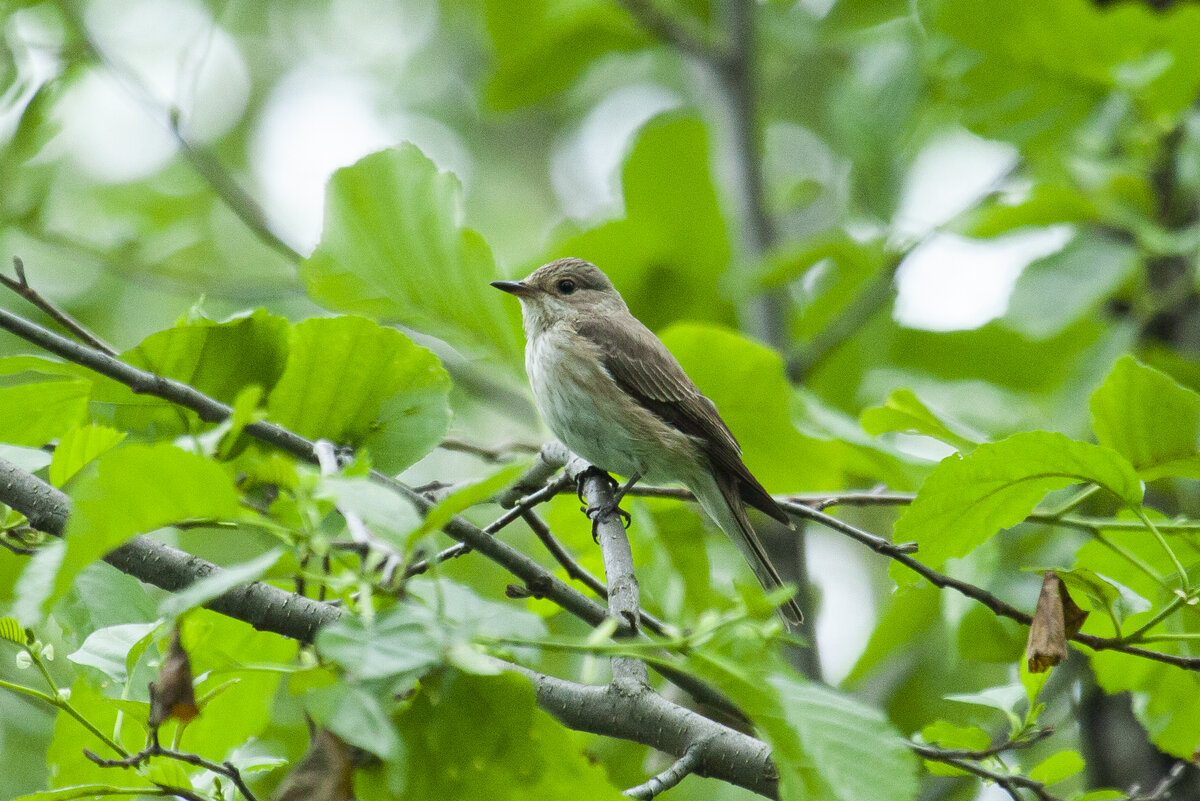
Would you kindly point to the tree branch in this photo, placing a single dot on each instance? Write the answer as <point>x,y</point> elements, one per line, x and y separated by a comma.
<point>983,753</point>
<point>670,777</point>
<point>225,769</point>
<point>623,597</point>
<point>263,606</point>
<point>21,286</point>
<point>1011,783</point>
<point>206,165</point>
<point>900,552</point>
<point>639,714</point>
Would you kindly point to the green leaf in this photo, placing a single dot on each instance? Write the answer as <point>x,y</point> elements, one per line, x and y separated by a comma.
<point>723,363</point>
<point>967,499</point>
<point>36,583</point>
<point>168,772</point>
<point>219,359</point>
<point>945,734</point>
<point>11,630</point>
<point>393,248</point>
<point>230,649</point>
<point>109,649</point>
<point>78,447</point>
<point>1167,699</point>
<point>541,46</point>
<point>903,411</point>
<point>858,754</point>
<point>356,716</point>
<point>35,414</point>
<point>1056,767</point>
<point>30,460</point>
<point>1005,698</point>
<point>825,744</point>
<point>358,383</point>
<point>403,641</point>
<point>1034,73</point>
<point>827,272</point>
<point>136,489</point>
<point>1058,290</point>
<point>389,515</point>
<point>472,736</point>
<point>209,587</point>
<point>1149,419</point>
<point>670,253</point>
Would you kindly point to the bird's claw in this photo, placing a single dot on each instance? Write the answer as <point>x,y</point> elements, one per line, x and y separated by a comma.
<point>598,513</point>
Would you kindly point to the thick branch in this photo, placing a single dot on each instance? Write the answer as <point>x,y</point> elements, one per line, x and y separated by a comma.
<point>263,606</point>
<point>635,712</point>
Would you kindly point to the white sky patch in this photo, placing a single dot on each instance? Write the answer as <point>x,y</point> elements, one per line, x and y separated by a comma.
<point>584,167</point>
<point>952,283</point>
<point>949,176</point>
<point>316,122</point>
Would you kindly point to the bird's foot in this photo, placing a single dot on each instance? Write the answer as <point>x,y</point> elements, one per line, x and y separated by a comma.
<point>591,472</point>
<point>604,510</point>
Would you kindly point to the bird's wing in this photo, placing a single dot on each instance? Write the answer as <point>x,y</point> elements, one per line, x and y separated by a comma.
<point>643,367</point>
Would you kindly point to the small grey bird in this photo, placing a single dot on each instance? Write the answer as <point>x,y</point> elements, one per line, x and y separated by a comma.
<point>613,393</point>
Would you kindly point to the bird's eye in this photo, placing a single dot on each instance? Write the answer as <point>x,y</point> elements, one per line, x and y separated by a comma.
<point>566,286</point>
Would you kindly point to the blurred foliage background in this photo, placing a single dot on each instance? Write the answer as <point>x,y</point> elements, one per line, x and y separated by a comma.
<point>816,204</point>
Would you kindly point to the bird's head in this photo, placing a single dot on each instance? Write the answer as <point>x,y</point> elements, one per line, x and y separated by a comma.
<point>563,289</point>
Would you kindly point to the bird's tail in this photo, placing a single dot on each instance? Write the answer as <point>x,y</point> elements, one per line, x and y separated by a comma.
<point>722,501</point>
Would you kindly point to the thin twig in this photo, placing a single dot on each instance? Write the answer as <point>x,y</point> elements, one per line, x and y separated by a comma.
<point>21,286</point>
<point>562,556</point>
<point>499,454</point>
<point>872,541</point>
<point>531,500</point>
<point>1032,739</point>
<point>225,769</point>
<point>670,777</point>
<point>581,573</point>
<point>900,552</point>
<point>1011,783</point>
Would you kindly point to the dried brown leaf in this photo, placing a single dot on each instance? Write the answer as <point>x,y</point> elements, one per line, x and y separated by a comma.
<point>1056,619</point>
<point>325,774</point>
<point>173,696</point>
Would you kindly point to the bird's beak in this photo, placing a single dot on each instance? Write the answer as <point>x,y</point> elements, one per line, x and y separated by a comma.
<point>513,287</point>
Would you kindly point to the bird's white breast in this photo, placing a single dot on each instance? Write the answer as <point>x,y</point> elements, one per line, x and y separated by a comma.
<point>589,412</point>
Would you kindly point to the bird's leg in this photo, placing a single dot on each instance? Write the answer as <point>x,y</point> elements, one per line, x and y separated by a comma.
<point>597,513</point>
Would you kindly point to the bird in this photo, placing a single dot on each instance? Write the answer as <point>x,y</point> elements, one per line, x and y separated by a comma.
<point>610,390</point>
